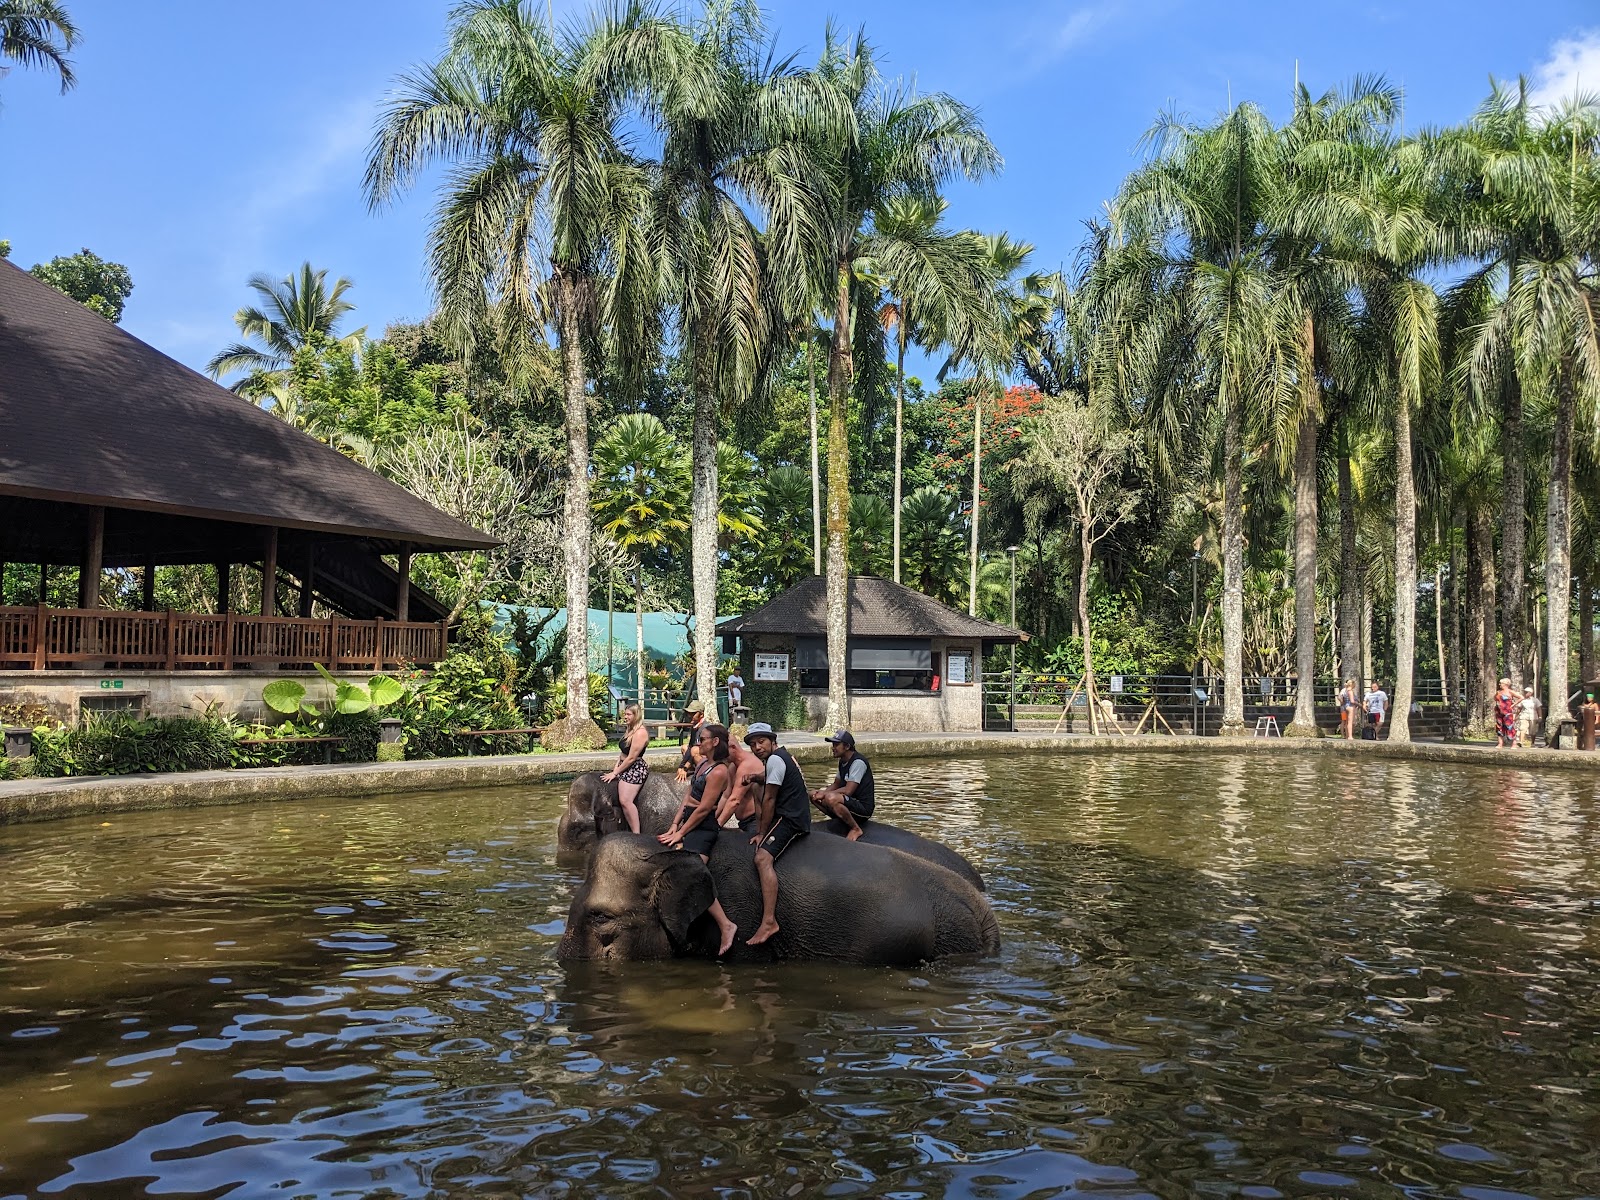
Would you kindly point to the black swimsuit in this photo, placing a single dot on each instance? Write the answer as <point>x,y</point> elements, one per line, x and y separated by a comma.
<point>702,836</point>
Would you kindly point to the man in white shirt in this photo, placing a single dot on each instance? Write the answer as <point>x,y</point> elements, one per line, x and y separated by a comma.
<point>1377,705</point>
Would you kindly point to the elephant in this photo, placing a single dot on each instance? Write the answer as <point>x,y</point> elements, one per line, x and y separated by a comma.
<point>837,900</point>
<point>592,812</point>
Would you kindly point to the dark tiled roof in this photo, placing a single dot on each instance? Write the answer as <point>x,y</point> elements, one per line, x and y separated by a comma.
<point>878,608</point>
<point>91,415</point>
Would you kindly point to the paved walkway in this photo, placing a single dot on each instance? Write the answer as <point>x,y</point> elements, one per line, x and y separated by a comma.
<point>47,799</point>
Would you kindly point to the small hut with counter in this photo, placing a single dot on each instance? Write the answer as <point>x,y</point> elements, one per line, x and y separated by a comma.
<point>912,663</point>
<point>114,456</point>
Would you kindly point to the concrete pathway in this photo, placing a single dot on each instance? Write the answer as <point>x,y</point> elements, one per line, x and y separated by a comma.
<point>48,799</point>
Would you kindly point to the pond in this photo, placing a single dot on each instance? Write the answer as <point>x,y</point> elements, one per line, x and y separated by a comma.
<point>1222,975</point>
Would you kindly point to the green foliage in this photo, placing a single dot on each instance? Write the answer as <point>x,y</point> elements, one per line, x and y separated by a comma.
<point>555,708</point>
<point>120,744</point>
<point>98,285</point>
<point>473,688</point>
<point>284,696</point>
<point>366,394</point>
<point>1126,642</point>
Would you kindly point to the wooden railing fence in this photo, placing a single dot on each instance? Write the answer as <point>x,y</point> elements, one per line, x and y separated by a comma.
<point>41,638</point>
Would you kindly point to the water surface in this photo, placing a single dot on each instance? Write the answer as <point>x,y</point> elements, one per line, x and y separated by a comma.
<point>1221,976</point>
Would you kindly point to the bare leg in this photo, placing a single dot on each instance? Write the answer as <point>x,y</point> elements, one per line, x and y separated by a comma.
<point>727,927</point>
<point>769,898</point>
<point>836,808</point>
<point>627,793</point>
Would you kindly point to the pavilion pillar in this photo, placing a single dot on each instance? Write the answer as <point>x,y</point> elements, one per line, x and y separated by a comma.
<point>308,578</point>
<point>148,599</point>
<point>269,574</point>
<point>44,582</point>
<point>94,546</point>
<point>2,581</point>
<point>402,597</point>
<point>224,587</point>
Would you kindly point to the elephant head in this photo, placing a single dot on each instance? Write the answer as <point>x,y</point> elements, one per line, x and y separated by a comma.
<point>639,900</point>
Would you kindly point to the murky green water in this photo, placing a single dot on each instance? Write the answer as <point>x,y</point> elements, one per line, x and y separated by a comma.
<point>1221,977</point>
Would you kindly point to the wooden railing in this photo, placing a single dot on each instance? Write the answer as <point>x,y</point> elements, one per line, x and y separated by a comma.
<point>43,638</point>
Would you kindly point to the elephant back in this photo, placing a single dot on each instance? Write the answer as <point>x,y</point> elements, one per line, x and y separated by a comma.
<point>877,833</point>
<point>593,810</point>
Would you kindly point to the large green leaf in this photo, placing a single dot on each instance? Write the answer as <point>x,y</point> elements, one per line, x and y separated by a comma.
<point>384,690</point>
<point>284,696</point>
<point>350,698</point>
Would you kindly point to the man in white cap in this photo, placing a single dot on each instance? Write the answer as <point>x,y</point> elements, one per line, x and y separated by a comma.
<point>851,797</point>
<point>785,816</point>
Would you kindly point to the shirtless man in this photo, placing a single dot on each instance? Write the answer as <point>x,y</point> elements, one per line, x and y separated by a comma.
<point>851,797</point>
<point>785,816</point>
<point>743,800</point>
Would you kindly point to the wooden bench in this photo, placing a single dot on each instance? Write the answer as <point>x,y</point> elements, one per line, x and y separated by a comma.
<point>327,743</point>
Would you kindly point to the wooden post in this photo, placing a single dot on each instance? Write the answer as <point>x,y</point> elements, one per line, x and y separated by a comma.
<point>308,575</point>
<point>269,574</point>
<point>402,598</point>
<point>149,581</point>
<point>41,628</point>
<point>172,640</point>
<point>224,587</point>
<point>2,581</point>
<point>227,642</point>
<point>94,545</point>
<point>44,583</point>
<point>377,644</point>
<point>333,641</point>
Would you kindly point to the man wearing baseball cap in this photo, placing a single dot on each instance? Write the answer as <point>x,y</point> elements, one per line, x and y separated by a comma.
<point>696,713</point>
<point>785,816</point>
<point>851,798</point>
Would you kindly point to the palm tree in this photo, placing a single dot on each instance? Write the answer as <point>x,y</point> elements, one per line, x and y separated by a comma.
<point>933,550</point>
<point>736,130</point>
<point>938,284</point>
<point>544,190</point>
<point>785,491</point>
<point>1192,223</point>
<point>639,488</point>
<point>883,141</point>
<point>37,33</point>
<point>871,524</point>
<point>294,312</point>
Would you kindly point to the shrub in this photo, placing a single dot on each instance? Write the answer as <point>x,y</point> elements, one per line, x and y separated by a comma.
<point>119,744</point>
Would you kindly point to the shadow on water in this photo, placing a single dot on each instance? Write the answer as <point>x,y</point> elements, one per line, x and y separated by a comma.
<point>1220,976</point>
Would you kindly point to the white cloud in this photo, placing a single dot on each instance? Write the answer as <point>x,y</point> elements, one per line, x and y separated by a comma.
<point>1049,39</point>
<point>1573,65</point>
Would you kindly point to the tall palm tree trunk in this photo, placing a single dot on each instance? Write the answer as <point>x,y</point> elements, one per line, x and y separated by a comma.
<point>1481,531</point>
<point>1558,556</point>
<point>1405,574</point>
<point>1304,723</point>
<point>840,369</point>
<point>1513,533</point>
<point>703,505</point>
<point>1085,553</point>
<point>1350,666</point>
<point>816,469</point>
<point>638,635</point>
<point>1232,563</point>
<point>578,731</point>
<point>899,418</point>
<point>977,496</point>
<point>1453,699</point>
<point>1585,629</point>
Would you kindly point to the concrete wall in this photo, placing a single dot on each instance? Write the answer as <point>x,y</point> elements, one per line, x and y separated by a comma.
<point>155,693</point>
<point>954,708</point>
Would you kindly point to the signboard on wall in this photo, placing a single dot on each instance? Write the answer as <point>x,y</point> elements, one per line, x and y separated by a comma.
<point>958,666</point>
<point>772,668</point>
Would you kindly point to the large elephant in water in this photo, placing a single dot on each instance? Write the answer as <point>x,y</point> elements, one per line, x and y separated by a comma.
<point>592,811</point>
<point>840,900</point>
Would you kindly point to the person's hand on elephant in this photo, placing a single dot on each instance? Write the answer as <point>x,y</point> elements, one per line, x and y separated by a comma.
<point>608,777</point>
<point>670,838</point>
<point>682,774</point>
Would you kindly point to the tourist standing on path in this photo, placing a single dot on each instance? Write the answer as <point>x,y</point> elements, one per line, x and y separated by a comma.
<point>631,770</point>
<point>1348,702</point>
<point>696,713</point>
<point>1528,717</point>
<point>785,816</point>
<point>1505,715</point>
<point>735,692</point>
<point>851,798</point>
<point>1377,705</point>
<point>1588,722</point>
<point>695,827</point>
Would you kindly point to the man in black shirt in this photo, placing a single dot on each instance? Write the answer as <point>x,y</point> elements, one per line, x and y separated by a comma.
<point>852,798</point>
<point>785,816</point>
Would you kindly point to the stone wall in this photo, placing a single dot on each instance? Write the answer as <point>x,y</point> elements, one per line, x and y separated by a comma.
<point>154,693</point>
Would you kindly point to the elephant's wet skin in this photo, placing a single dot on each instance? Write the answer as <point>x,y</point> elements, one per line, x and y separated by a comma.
<point>876,833</point>
<point>839,900</point>
<point>593,810</point>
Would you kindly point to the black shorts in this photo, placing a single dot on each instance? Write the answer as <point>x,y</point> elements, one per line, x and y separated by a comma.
<point>858,810</point>
<point>782,836</point>
<point>700,839</point>
<point>751,825</point>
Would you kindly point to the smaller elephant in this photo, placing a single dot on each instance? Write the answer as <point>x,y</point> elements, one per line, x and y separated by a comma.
<point>593,810</point>
<point>837,900</point>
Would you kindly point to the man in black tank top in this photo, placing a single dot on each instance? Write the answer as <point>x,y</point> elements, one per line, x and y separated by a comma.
<point>851,799</point>
<point>785,816</point>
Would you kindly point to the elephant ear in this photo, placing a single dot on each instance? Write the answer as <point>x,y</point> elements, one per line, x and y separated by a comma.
<point>680,891</point>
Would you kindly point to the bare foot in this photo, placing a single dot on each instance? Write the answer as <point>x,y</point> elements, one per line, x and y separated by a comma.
<point>728,932</point>
<point>853,834</point>
<point>766,930</point>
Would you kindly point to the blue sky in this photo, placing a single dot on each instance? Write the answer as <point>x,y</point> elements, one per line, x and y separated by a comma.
<point>208,141</point>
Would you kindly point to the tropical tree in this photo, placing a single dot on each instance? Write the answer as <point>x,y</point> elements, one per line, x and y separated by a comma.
<point>883,141</point>
<point>98,285</point>
<point>546,214</point>
<point>932,550</point>
<point>639,488</point>
<point>37,34</point>
<point>784,560</point>
<point>296,311</point>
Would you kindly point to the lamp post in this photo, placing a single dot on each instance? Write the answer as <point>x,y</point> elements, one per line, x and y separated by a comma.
<point>1012,552</point>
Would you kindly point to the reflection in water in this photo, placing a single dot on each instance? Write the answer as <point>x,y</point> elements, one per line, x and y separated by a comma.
<point>1221,976</point>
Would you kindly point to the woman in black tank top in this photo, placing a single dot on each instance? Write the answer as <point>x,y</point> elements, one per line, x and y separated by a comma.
<point>630,771</point>
<point>695,827</point>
